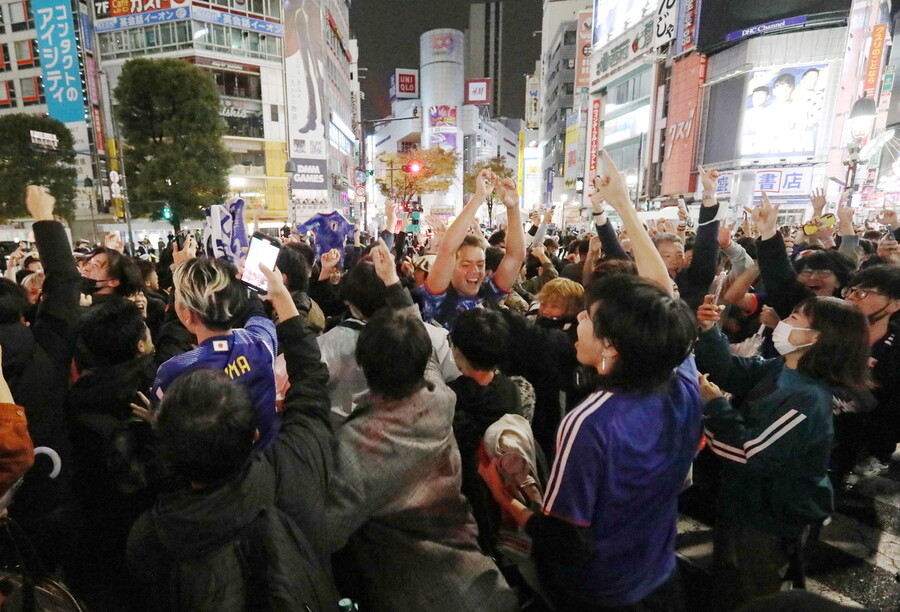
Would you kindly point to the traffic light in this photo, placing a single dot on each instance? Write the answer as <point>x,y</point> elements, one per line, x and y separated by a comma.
<point>413,167</point>
<point>167,213</point>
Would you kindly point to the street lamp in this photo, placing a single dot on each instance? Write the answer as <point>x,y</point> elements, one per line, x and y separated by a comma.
<point>862,118</point>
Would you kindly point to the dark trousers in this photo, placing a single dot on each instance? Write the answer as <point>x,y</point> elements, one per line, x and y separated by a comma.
<point>750,563</point>
<point>668,597</point>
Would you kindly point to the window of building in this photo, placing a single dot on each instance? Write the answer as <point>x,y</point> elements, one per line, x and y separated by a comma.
<point>569,37</point>
<point>4,57</point>
<point>25,53</point>
<point>7,94</point>
<point>2,22</point>
<point>20,17</point>
<point>570,63</point>
<point>569,88</point>
<point>32,91</point>
<point>238,84</point>
<point>273,109</point>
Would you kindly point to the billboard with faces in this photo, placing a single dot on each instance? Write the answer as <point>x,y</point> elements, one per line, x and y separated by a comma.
<point>784,112</point>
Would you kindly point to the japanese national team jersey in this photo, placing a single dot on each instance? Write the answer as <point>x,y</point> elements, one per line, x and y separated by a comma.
<point>331,230</point>
<point>621,460</point>
<point>442,308</point>
<point>247,356</point>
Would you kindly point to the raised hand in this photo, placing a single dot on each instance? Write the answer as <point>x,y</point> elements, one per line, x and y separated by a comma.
<point>610,187</point>
<point>509,193</point>
<point>188,251</point>
<point>548,216</point>
<point>112,241</point>
<point>888,216</point>
<point>726,231</point>
<point>484,179</point>
<point>330,259</point>
<point>709,390</point>
<point>385,267</point>
<point>817,198</point>
<point>708,179</point>
<point>708,314</point>
<point>765,216</point>
<point>39,203</point>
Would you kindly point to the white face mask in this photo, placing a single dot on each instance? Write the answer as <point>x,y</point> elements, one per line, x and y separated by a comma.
<point>780,338</point>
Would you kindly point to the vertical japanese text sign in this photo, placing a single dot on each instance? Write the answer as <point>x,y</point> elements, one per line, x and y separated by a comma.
<point>59,59</point>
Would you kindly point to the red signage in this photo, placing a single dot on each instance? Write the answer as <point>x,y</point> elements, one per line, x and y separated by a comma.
<point>876,55</point>
<point>593,147</point>
<point>98,130</point>
<point>688,75</point>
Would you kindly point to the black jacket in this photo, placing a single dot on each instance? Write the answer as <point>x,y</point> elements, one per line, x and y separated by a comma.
<point>36,363</point>
<point>113,455</point>
<point>292,474</point>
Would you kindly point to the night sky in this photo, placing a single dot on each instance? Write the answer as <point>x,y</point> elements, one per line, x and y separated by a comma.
<point>388,32</point>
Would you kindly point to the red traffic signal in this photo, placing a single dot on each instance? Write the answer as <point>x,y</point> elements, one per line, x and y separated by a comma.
<point>413,167</point>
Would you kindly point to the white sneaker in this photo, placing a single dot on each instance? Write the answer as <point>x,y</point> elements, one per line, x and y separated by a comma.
<point>870,468</point>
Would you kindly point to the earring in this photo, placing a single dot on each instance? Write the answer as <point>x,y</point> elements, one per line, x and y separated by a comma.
<point>603,363</point>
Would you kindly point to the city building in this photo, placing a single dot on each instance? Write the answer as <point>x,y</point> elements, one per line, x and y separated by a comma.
<point>48,67</point>
<point>435,105</point>
<point>484,58</point>
<point>558,67</point>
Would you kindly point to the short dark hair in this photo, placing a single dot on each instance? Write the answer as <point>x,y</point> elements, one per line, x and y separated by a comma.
<point>841,354</point>
<point>883,277</point>
<point>584,245</point>
<point>293,264</point>
<point>362,288</point>
<point>402,336</point>
<point>828,259</point>
<point>482,336</point>
<point>763,89</point>
<point>308,252</point>
<point>13,301</point>
<point>123,269</point>
<point>206,426</point>
<point>667,237</point>
<point>146,268</point>
<point>472,241</point>
<point>785,79</point>
<point>652,331</point>
<point>497,237</point>
<point>492,258</point>
<point>110,332</point>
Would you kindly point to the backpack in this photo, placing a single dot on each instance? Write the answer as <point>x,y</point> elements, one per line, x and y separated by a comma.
<point>268,566</point>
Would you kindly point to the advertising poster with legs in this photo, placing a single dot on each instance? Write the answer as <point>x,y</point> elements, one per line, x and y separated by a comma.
<point>306,109</point>
<point>784,110</point>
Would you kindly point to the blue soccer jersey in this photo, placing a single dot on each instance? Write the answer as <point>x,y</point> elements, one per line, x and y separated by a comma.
<point>247,356</point>
<point>621,460</point>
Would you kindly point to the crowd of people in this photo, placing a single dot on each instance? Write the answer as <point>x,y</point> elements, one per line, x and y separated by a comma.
<point>483,423</point>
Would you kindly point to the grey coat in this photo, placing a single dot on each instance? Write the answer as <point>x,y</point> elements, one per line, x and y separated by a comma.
<point>395,501</point>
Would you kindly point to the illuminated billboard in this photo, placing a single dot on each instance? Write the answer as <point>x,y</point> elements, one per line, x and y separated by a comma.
<point>783,112</point>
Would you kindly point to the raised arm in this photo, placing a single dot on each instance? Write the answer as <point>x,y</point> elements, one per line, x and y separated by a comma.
<point>783,289</point>
<point>508,270</point>
<point>612,189</point>
<point>442,271</point>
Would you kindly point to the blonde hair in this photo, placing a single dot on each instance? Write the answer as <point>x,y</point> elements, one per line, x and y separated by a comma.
<point>563,291</point>
<point>208,288</point>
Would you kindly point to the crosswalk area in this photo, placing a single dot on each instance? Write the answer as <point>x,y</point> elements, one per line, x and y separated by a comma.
<point>855,560</point>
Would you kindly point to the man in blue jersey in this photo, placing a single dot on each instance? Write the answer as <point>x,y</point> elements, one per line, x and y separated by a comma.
<point>208,299</point>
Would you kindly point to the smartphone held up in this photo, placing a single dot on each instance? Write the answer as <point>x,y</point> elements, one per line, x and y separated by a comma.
<point>263,250</point>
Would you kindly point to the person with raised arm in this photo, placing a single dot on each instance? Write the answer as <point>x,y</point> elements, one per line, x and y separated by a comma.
<point>37,363</point>
<point>458,280</point>
<point>604,538</point>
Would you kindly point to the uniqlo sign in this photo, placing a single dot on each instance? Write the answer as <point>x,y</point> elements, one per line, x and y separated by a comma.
<point>404,84</point>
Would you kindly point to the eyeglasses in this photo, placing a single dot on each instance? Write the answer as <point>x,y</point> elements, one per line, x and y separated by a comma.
<point>859,292</point>
<point>818,273</point>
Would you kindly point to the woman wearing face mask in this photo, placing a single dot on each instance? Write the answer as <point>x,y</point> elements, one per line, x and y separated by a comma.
<point>776,444</point>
